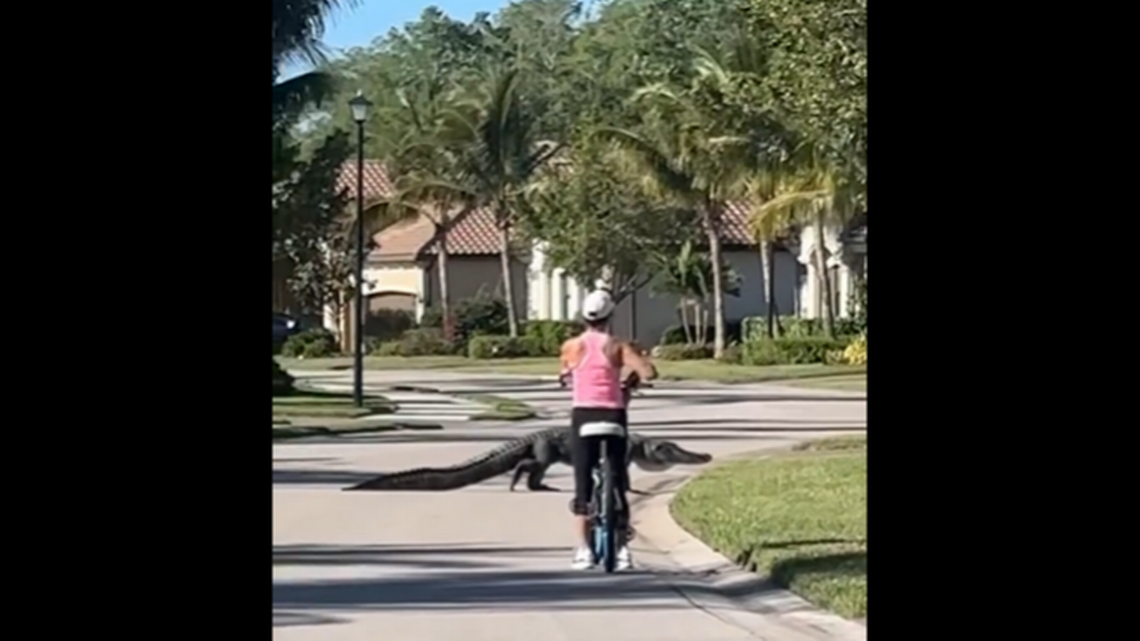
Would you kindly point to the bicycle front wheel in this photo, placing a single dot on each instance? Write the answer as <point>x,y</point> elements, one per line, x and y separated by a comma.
<point>609,511</point>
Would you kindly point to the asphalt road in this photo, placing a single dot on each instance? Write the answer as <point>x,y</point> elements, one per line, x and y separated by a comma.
<point>484,563</point>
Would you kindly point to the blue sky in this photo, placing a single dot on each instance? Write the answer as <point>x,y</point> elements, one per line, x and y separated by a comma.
<point>357,26</point>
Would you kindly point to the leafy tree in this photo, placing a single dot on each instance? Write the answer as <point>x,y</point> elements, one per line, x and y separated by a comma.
<point>598,225</point>
<point>816,77</point>
<point>312,230</point>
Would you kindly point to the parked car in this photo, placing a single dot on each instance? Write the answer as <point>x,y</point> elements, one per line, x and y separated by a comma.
<point>284,326</point>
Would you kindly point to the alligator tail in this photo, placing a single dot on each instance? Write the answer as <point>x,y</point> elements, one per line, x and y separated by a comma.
<point>494,463</point>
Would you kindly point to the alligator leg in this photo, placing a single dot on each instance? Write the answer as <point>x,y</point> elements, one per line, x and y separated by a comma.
<point>545,455</point>
<point>524,467</point>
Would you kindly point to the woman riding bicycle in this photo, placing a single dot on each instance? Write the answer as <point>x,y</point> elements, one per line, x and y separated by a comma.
<point>594,361</point>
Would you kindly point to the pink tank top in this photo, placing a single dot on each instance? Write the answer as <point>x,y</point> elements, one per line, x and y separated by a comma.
<point>597,383</point>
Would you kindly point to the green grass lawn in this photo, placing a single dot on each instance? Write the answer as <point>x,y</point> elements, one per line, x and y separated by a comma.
<point>315,404</point>
<point>847,383</point>
<point>500,408</point>
<point>799,517</point>
<point>707,370</point>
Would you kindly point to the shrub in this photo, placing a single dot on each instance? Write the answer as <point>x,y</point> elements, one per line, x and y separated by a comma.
<point>486,346</point>
<point>682,352</point>
<point>856,352</point>
<point>733,354</point>
<point>675,334</point>
<point>317,342</point>
<point>548,335</point>
<point>478,315</point>
<point>386,348</point>
<point>426,341</point>
<point>432,317</point>
<point>756,327</point>
<point>371,344</point>
<point>282,381</point>
<point>388,324</point>
<point>835,357</point>
<point>790,351</point>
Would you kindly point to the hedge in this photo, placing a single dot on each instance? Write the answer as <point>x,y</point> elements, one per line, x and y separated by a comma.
<point>756,327</point>
<point>317,342</point>
<point>675,334</point>
<point>483,347</point>
<point>790,351</point>
<point>548,335</point>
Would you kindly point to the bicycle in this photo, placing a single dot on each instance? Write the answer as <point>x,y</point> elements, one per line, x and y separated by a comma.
<point>607,495</point>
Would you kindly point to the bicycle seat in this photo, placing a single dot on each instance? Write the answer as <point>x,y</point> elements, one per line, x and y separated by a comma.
<point>602,428</point>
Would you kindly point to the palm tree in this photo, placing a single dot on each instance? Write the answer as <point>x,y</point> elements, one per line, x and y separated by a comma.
<point>689,275</point>
<point>767,226</point>
<point>682,161</point>
<point>811,192</point>
<point>430,180</point>
<point>297,29</point>
<point>732,75</point>
<point>492,134</point>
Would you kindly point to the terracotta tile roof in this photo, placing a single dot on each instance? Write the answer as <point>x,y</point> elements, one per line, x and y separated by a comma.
<point>376,183</point>
<point>402,241</point>
<point>734,225</point>
<point>476,233</point>
<point>473,235</point>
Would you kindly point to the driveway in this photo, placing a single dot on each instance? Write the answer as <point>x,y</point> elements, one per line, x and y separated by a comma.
<point>484,563</point>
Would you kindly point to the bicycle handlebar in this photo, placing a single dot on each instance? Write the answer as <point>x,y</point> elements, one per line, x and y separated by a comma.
<point>631,384</point>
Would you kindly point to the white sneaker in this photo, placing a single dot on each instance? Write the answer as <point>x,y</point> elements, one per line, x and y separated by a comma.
<point>624,560</point>
<point>583,559</point>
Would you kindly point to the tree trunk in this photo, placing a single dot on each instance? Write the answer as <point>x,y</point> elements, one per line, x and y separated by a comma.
<point>340,313</point>
<point>685,319</point>
<point>698,325</point>
<point>718,281</point>
<point>444,296</point>
<point>508,290</point>
<point>768,263</point>
<point>824,277</point>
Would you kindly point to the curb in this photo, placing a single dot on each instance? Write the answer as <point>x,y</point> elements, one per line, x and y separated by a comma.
<point>714,584</point>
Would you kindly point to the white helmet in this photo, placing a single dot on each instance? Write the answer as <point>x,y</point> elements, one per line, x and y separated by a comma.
<point>598,305</point>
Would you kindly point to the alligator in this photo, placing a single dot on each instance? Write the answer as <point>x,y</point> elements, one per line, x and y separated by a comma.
<point>532,455</point>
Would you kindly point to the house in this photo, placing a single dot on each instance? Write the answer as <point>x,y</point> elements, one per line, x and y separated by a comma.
<point>401,272</point>
<point>646,314</point>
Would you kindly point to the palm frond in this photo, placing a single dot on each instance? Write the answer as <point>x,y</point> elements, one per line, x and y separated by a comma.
<point>292,96</point>
<point>298,26</point>
<point>661,169</point>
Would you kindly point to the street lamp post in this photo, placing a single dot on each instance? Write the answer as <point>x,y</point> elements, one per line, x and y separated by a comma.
<point>359,105</point>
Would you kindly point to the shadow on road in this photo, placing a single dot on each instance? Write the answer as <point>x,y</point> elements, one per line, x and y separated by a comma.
<point>502,590</point>
<point>284,618</point>
<point>734,399</point>
<point>428,557</point>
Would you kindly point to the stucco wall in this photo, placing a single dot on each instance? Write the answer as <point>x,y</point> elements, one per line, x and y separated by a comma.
<point>466,275</point>
<point>655,312</point>
<point>557,297</point>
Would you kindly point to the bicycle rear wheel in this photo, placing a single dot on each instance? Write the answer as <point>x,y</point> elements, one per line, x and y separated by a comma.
<point>608,514</point>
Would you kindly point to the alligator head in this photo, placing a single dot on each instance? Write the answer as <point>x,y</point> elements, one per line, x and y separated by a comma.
<point>653,455</point>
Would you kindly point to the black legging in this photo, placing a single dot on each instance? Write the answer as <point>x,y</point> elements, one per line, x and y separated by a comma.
<point>587,451</point>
